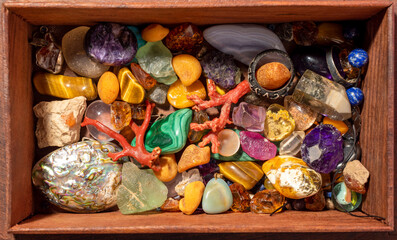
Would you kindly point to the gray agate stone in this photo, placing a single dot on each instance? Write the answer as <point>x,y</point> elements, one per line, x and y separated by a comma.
<point>243,41</point>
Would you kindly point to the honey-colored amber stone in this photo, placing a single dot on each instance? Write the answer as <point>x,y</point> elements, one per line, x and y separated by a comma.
<point>187,68</point>
<point>138,111</point>
<point>147,81</point>
<point>241,198</point>
<point>279,124</point>
<point>194,156</point>
<point>108,87</point>
<point>340,125</point>
<point>170,205</point>
<point>168,169</point>
<point>245,173</point>
<point>120,115</point>
<point>272,75</point>
<point>64,87</point>
<point>193,194</point>
<point>292,177</point>
<point>130,90</point>
<point>177,93</point>
<point>127,133</point>
<point>267,201</point>
<point>154,32</point>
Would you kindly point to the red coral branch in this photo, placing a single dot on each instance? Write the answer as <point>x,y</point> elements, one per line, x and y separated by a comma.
<point>217,124</point>
<point>138,152</point>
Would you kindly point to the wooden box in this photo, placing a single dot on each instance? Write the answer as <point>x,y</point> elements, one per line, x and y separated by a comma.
<point>17,136</point>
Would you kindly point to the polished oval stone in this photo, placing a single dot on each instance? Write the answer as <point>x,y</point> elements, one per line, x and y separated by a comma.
<point>76,57</point>
<point>168,169</point>
<point>184,37</point>
<point>279,123</point>
<point>292,177</point>
<point>130,90</point>
<point>80,177</point>
<point>64,86</point>
<point>217,197</point>
<point>169,133</point>
<point>245,173</point>
<point>243,41</point>
<point>229,142</point>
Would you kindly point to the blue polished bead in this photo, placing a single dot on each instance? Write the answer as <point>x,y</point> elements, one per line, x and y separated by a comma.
<point>355,95</point>
<point>358,57</point>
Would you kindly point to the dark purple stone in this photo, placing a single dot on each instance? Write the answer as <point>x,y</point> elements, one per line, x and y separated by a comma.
<point>322,148</point>
<point>111,44</point>
<point>256,146</point>
<point>208,170</point>
<point>312,58</point>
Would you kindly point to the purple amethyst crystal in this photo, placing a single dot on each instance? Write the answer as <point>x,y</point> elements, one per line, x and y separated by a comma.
<point>322,148</point>
<point>111,44</point>
<point>257,146</point>
<point>207,171</point>
<point>250,117</point>
<point>221,68</point>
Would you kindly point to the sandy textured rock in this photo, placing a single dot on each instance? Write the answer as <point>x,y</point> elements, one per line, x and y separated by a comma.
<point>356,176</point>
<point>59,121</point>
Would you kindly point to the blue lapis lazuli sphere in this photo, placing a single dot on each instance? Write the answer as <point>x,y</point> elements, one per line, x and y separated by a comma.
<point>355,95</point>
<point>358,57</point>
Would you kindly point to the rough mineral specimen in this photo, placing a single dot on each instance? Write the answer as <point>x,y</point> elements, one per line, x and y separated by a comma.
<point>140,190</point>
<point>217,197</point>
<point>155,59</point>
<point>221,69</point>
<point>170,205</point>
<point>267,201</point>
<point>59,121</point>
<point>248,40</point>
<point>250,117</point>
<point>355,176</point>
<point>241,198</point>
<point>158,94</point>
<point>80,177</point>
<point>111,44</point>
<point>257,146</point>
<point>188,177</point>
<point>50,57</point>
<point>322,148</point>
<point>323,96</point>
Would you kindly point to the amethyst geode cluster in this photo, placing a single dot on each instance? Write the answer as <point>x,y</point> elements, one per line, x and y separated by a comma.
<point>111,44</point>
<point>322,148</point>
<point>221,68</point>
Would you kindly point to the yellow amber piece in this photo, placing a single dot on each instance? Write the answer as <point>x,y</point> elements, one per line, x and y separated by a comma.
<point>130,90</point>
<point>218,89</point>
<point>64,86</point>
<point>245,173</point>
<point>340,125</point>
<point>168,169</point>
<point>154,32</point>
<point>292,177</point>
<point>194,156</point>
<point>177,93</point>
<point>187,68</point>
<point>108,87</point>
<point>193,194</point>
<point>279,123</point>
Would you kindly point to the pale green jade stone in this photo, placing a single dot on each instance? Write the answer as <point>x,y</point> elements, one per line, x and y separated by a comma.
<point>217,197</point>
<point>156,59</point>
<point>140,190</point>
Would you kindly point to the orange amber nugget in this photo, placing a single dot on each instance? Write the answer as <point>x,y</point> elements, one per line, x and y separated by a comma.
<point>241,198</point>
<point>147,81</point>
<point>267,201</point>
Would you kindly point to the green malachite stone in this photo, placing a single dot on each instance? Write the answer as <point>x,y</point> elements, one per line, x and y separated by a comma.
<point>140,190</point>
<point>170,133</point>
<point>239,156</point>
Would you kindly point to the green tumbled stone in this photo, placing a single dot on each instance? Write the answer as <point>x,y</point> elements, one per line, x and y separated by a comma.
<point>140,190</point>
<point>170,133</point>
<point>217,197</point>
<point>240,155</point>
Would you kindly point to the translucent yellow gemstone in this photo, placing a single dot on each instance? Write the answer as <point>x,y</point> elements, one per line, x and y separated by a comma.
<point>64,86</point>
<point>177,93</point>
<point>292,177</point>
<point>279,124</point>
<point>130,90</point>
<point>245,173</point>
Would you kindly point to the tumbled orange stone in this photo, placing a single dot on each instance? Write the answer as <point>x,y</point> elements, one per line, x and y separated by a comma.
<point>170,205</point>
<point>147,81</point>
<point>154,32</point>
<point>267,201</point>
<point>193,194</point>
<point>194,156</point>
<point>187,68</point>
<point>168,169</point>
<point>241,198</point>
<point>340,125</point>
<point>272,75</point>
<point>108,87</point>
<point>177,94</point>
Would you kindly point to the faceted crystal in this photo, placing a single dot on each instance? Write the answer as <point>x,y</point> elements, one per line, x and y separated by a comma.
<point>323,96</point>
<point>257,146</point>
<point>267,201</point>
<point>322,148</point>
<point>279,123</point>
<point>292,144</point>
<point>120,114</point>
<point>249,117</point>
